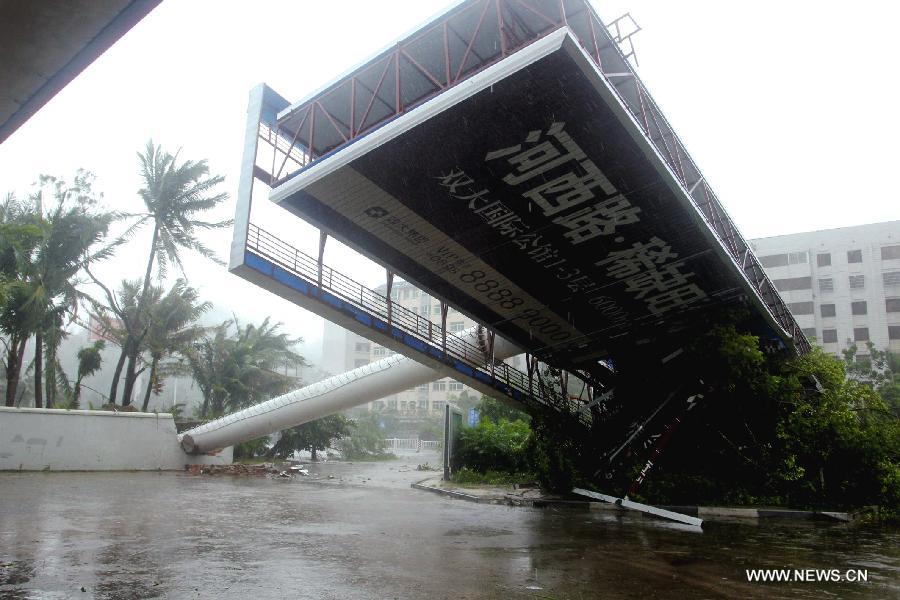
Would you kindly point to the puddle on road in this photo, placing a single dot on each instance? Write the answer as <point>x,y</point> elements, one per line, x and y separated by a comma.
<point>16,572</point>
<point>478,532</point>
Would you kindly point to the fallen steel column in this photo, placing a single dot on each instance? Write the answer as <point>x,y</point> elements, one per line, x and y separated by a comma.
<point>644,508</point>
<point>373,381</point>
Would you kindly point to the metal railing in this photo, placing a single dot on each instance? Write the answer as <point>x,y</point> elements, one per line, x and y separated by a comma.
<point>302,265</point>
<point>411,444</point>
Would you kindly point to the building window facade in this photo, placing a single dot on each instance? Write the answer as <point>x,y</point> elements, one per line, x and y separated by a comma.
<point>793,283</point>
<point>439,386</point>
<point>782,260</point>
<point>801,308</point>
<point>890,252</point>
<point>829,336</point>
<point>859,308</point>
<point>823,260</point>
<point>892,305</point>
<point>457,326</point>
<point>857,282</point>
<point>826,285</point>
<point>860,334</point>
<point>827,310</point>
<point>854,256</point>
<point>891,278</point>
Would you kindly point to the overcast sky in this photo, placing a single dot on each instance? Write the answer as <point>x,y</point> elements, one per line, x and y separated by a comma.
<point>789,108</point>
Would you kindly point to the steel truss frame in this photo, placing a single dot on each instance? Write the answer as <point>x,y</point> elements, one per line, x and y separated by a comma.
<point>461,43</point>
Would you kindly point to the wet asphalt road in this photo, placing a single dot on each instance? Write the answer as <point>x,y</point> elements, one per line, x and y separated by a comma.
<point>366,534</point>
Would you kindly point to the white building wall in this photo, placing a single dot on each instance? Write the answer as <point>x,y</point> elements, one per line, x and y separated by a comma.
<point>41,439</point>
<point>877,245</point>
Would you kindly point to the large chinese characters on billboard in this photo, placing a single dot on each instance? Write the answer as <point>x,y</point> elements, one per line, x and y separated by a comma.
<point>531,206</point>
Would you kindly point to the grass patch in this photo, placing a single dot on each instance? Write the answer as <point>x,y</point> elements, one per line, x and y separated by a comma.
<point>466,476</point>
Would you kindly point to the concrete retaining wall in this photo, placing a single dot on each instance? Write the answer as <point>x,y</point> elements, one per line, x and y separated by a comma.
<point>40,439</point>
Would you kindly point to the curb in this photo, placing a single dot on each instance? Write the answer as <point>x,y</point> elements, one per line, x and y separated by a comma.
<point>508,500</point>
<point>707,513</point>
<point>463,495</point>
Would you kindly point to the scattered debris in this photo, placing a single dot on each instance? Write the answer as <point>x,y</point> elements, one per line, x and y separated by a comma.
<point>426,467</point>
<point>112,407</point>
<point>234,469</point>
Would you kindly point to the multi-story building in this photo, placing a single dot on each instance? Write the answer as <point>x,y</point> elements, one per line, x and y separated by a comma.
<point>343,350</point>
<point>842,285</point>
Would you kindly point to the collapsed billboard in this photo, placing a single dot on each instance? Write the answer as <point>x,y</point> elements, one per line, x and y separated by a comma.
<point>529,198</point>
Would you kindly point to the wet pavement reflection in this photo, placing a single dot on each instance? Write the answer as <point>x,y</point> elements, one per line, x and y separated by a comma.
<point>365,534</point>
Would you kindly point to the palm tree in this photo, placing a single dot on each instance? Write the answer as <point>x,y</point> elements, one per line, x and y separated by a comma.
<point>172,329</point>
<point>42,258</point>
<point>206,360</point>
<point>19,234</point>
<point>89,361</point>
<point>69,234</point>
<point>174,195</point>
<point>17,322</point>
<point>236,370</point>
<point>119,321</point>
<point>54,332</point>
<point>257,354</point>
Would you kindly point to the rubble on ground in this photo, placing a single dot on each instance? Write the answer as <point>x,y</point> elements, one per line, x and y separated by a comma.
<point>234,469</point>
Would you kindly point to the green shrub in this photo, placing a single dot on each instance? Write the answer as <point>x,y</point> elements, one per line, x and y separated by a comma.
<point>366,441</point>
<point>492,446</point>
<point>251,448</point>
<point>466,476</point>
<point>551,452</point>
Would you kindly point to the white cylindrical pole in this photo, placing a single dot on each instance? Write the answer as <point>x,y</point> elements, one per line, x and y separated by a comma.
<point>353,388</point>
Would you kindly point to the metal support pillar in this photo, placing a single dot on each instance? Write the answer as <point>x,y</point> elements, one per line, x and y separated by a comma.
<point>390,285</point>
<point>564,384</point>
<point>529,366</point>
<point>638,428</point>
<point>534,369</point>
<point>447,442</point>
<point>661,444</point>
<point>444,309</point>
<point>491,336</point>
<point>323,237</point>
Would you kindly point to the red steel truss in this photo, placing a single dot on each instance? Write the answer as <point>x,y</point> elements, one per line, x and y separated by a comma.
<point>459,44</point>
